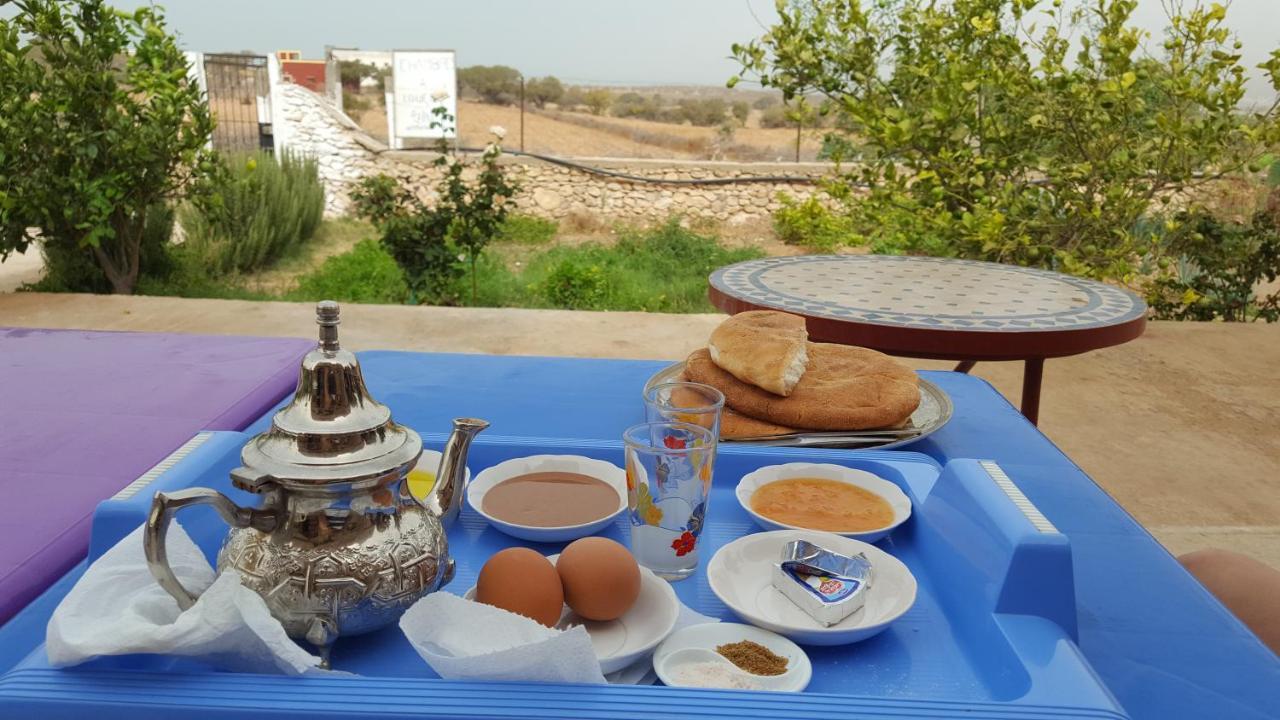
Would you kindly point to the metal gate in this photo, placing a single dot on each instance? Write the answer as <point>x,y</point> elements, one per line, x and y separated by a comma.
<point>240,99</point>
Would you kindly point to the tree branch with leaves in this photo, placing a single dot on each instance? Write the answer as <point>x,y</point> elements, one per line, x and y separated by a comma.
<point>99,123</point>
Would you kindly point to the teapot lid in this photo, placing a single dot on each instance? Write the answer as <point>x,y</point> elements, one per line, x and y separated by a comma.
<point>332,431</point>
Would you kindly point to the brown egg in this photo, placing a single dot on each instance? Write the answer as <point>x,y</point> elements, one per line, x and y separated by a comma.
<point>601,579</point>
<point>524,582</point>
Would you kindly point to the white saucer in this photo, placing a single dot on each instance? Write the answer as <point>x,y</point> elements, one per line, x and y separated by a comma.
<point>740,575</point>
<point>889,492</point>
<point>711,635</point>
<point>611,474</point>
<point>619,643</point>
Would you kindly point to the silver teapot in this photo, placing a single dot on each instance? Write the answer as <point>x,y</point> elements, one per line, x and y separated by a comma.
<point>339,545</point>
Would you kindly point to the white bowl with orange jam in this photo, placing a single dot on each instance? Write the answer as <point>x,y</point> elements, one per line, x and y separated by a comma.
<point>820,496</point>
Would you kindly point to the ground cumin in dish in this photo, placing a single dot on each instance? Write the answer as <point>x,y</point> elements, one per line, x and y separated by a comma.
<point>819,504</point>
<point>754,658</point>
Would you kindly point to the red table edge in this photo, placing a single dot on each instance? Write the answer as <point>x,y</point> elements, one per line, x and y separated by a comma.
<point>946,344</point>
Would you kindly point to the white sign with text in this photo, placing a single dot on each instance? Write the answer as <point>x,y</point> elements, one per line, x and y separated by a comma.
<point>424,80</point>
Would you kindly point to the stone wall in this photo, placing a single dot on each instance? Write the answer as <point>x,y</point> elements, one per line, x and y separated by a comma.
<point>346,154</point>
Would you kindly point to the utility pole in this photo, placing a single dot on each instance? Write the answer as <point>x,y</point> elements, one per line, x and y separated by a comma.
<point>799,124</point>
<point>521,112</point>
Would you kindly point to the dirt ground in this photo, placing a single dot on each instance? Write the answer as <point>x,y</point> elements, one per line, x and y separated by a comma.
<point>613,137</point>
<point>1179,425</point>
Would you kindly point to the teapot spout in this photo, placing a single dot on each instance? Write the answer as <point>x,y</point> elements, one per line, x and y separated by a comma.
<point>446,497</point>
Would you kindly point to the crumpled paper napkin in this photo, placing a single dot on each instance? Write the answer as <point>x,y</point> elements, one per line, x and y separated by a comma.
<point>117,608</point>
<point>465,640</point>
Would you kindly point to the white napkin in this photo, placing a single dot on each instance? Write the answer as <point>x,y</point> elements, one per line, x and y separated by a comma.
<point>465,640</point>
<point>117,608</point>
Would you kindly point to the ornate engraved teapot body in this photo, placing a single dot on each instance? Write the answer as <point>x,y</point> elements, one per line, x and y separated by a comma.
<point>339,545</point>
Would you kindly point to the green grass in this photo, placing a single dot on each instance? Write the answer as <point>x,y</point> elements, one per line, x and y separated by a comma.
<point>527,230</point>
<point>366,274</point>
<point>659,270</point>
<point>663,269</point>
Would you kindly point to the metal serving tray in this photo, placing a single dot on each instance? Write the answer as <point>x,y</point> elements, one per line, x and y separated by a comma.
<point>990,635</point>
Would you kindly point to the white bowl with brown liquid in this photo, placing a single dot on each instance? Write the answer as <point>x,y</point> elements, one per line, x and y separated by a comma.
<point>550,498</point>
<point>821,496</point>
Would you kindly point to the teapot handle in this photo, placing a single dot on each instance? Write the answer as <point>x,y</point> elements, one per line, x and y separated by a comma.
<point>163,508</point>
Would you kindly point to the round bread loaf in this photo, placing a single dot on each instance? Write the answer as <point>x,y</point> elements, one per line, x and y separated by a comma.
<point>736,426</point>
<point>844,388</point>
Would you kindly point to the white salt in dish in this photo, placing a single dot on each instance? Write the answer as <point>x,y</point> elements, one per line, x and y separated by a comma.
<point>673,669</point>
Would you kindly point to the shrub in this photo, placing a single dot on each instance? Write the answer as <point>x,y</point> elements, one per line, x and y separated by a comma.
<point>811,224</point>
<point>544,90</point>
<point>365,274</point>
<point>707,112</point>
<point>378,198</point>
<point>985,137</point>
<point>597,100</point>
<point>496,84</point>
<point>1217,267</point>
<point>574,285</point>
<point>635,105</point>
<point>776,116</point>
<point>262,207</point>
<point>663,269</point>
<point>527,230</point>
<point>99,124</point>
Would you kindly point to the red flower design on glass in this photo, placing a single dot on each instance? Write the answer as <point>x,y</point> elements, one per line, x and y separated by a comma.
<point>674,443</point>
<point>683,545</point>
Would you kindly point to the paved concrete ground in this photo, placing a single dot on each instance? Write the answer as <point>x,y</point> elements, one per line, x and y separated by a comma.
<point>1180,426</point>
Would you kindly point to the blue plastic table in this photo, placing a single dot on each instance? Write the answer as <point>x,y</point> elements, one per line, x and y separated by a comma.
<point>1159,641</point>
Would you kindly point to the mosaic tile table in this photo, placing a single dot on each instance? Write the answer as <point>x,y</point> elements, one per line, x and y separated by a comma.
<point>938,308</point>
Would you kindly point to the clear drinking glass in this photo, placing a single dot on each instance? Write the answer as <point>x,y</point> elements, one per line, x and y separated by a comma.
<point>669,468</point>
<point>686,402</point>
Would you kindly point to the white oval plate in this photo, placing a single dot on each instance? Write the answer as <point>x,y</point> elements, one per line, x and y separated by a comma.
<point>740,575</point>
<point>619,643</point>
<point>711,635</point>
<point>615,476</point>
<point>891,493</point>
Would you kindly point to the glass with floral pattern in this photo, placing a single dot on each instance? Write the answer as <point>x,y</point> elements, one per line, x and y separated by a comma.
<point>669,468</point>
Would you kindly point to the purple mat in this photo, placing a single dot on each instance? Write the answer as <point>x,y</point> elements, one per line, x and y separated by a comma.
<point>82,414</point>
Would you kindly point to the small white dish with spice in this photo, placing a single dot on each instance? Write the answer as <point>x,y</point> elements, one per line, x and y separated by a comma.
<point>699,656</point>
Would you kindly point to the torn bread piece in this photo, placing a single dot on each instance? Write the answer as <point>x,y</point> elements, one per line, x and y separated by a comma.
<point>765,348</point>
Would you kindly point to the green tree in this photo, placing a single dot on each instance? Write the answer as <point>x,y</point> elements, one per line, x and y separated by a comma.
<point>495,84</point>
<point>597,100</point>
<point>352,72</point>
<point>99,124</point>
<point>1026,131</point>
<point>544,90</point>
<point>429,243</point>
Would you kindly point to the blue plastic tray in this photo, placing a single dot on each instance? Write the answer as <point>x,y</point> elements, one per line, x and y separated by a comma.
<point>990,635</point>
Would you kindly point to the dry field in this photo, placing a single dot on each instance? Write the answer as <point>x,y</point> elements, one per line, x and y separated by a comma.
<point>573,134</point>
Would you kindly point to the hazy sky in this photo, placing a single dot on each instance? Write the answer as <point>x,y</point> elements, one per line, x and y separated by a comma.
<point>587,41</point>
